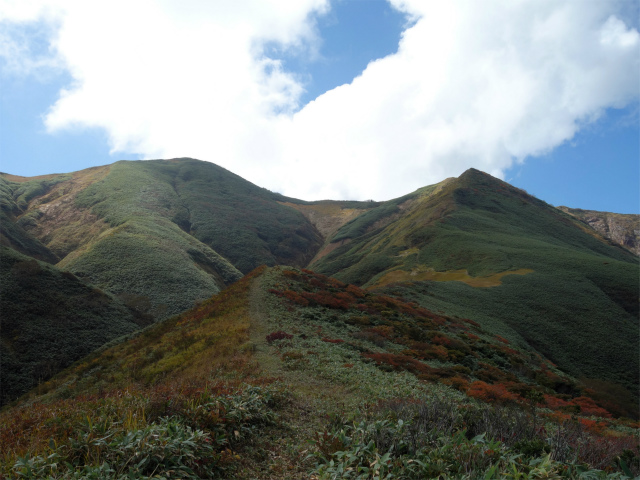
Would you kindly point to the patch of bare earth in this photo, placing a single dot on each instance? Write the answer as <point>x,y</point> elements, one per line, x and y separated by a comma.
<point>327,217</point>
<point>61,225</point>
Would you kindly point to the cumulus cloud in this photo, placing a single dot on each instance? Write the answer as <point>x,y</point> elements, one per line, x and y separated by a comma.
<point>473,84</point>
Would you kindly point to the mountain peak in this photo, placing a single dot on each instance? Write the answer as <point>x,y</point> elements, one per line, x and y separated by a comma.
<point>475,176</point>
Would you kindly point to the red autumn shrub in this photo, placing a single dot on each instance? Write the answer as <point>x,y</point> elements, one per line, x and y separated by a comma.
<point>489,373</point>
<point>593,426</point>
<point>497,393</point>
<point>356,291</point>
<point>581,405</point>
<point>279,335</point>
<point>345,296</point>
<point>326,299</point>
<point>401,362</point>
<point>332,340</point>
<point>471,322</point>
<point>457,382</point>
<point>291,274</point>
<point>589,407</point>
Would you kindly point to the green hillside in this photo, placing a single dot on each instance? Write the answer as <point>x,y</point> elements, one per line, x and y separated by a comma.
<point>160,234</point>
<point>50,319</point>
<point>291,374</point>
<point>144,232</point>
<point>572,291</point>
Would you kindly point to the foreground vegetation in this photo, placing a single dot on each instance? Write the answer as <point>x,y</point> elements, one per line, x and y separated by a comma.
<point>290,374</point>
<point>438,438</point>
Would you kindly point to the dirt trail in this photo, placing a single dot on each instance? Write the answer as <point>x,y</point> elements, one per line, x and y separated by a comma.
<point>285,448</point>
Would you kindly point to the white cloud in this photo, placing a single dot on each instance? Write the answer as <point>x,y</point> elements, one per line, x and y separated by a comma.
<point>473,84</point>
<point>21,49</point>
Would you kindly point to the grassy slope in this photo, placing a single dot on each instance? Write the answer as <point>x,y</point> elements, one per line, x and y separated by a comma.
<point>129,230</point>
<point>582,290</point>
<point>335,361</point>
<point>144,255</point>
<point>50,319</point>
<point>242,222</point>
<point>161,234</point>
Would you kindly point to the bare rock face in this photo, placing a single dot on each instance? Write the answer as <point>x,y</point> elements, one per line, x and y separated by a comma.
<point>622,229</point>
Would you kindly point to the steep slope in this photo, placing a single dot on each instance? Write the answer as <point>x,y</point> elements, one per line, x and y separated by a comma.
<point>281,374</point>
<point>160,234</point>
<point>443,244</point>
<point>132,230</point>
<point>246,224</point>
<point>50,319</point>
<point>621,229</point>
<point>13,202</point>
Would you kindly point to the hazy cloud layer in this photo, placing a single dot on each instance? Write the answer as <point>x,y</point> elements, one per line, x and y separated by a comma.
<point>473,84</point>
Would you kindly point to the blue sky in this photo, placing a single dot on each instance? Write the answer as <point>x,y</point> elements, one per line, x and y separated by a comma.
<point>293,103</point>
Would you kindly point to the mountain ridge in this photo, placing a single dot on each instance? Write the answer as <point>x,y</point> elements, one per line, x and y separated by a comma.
<point>163,234</point>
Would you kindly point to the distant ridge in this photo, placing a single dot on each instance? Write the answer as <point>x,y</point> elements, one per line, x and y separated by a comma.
<point>622,229</point>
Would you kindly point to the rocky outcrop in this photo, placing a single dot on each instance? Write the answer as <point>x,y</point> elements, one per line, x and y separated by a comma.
<point>622,229</point>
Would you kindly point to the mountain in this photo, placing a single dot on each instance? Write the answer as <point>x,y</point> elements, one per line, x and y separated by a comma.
<point>291,374</point>
<point>126,243</point>
<point>621,229</point>
<point>477,247</point>
<point>159,236</point>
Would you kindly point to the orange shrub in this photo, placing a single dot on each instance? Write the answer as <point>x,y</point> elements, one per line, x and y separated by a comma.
<point>497,393</point>
<point>457,382</point>
<point>589,407</point>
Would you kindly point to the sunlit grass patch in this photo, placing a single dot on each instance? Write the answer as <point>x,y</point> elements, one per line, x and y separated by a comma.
<point>423,273</point>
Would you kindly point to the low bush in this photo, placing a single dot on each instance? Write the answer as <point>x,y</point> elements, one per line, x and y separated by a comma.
<point>279,335</point>
<point>186,433</point>
<point>439,438</point>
